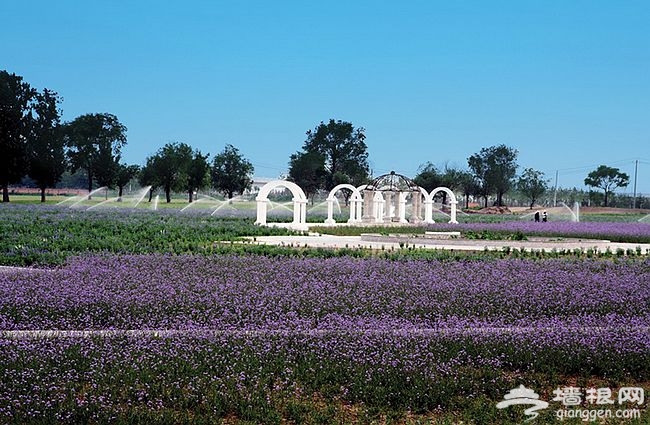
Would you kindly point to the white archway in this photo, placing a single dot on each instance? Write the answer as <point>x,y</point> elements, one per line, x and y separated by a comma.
<point>299,203</point>
<point>428,204</point>
<point>355,204</point>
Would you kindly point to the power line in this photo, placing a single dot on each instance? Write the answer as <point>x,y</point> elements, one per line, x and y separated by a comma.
<point>586,167</point>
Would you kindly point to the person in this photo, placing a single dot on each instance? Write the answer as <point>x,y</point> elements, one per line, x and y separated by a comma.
<point>544,217</point>
<point>536,216</point>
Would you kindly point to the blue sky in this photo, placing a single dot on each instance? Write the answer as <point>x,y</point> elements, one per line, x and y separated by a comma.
<point>566,83</point>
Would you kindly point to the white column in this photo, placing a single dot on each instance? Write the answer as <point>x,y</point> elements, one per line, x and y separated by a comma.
<point>261,212</point>
<point>388,203</point>
<point>415,201</point>
<point>303,211</point>
<point>428,211</point>
<point>296,210</point>
<point>401,207</point>
<point>330,212</point>
<point>453,212</point>
<point>299,211</point>
<point>378,207</point>
<point>357,218</point>
<point>368,206</point>
<point>353,210</point>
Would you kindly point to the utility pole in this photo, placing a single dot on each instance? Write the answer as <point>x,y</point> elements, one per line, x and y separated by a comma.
<point>636,166</point>
<point>555,193</point>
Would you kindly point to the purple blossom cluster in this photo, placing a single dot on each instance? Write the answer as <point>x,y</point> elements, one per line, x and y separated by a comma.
<point>253,293</point>
<point>249,331</point>
<point>636,232</point>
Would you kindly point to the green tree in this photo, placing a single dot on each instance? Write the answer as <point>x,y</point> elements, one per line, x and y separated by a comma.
<point>428,177</point>
<point>307,170</point>
<point>95,144</point>
<point>45,145</point>
<point>343,150</point>
<point>482,183</point>
<point>467,183</point>
<point>494,168</point>
<point>72,180</point>
<point>148,177</point>
<point>168,168</point>
<point>198,173</point>
<point>455,179</point>
<point>532,184</point>
<point>231,172</point>
<point>608,179</point>
<point>16,97</point>
<point>125,173</point>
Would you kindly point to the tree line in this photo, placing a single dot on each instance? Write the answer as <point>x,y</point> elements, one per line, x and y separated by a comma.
<point>335,152</point>
<point>35,143</point>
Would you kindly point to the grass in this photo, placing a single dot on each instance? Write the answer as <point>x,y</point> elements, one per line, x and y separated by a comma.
<point>48,235</point>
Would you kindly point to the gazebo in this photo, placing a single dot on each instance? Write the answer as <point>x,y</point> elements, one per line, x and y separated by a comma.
<point>385,198</point>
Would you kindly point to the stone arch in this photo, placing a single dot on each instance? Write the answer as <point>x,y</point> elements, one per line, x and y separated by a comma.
<point>299,203</point>
<point>355,203</point>
<point>428,204</point>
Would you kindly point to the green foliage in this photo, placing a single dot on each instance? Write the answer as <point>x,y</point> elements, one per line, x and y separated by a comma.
<point>343,152</point>
<point>495,235</point>
<point>16,99</point>
<point>608,179</point>
<point>95,143</point>
<point>532,184</point>
<point>198,173</point>
<point>231,172</point>
<point>494,168</point>
<point>169,168</point>
<point>50,235</point>
<point>125,173</point>
<point>45,146</point>
<point>428,177</point>
<point>307,170</point>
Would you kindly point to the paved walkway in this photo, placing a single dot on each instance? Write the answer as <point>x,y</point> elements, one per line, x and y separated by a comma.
<point>385,242</point>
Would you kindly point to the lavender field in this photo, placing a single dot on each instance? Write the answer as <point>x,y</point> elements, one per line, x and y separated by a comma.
<point>633,232</point>
<point>638,232</point>
<point>189,338</point>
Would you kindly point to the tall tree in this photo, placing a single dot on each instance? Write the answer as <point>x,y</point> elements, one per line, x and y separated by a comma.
<point>169,167</point>
<point>148,177</point>
<point>231,172</point>
<point>608,179</point>
<point>343,149</point>
<point>452,178</point>
<point>198,173</point>
<point>125,173</point>
<point>95,144</point>
<point>532,184</point>
<point>494,168</point>
<point>479,170</point>
<point>45,145</point>
<point>307,170</point>
<point>428,177</point>
<point>16,97</point>
<point>469,186</point>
